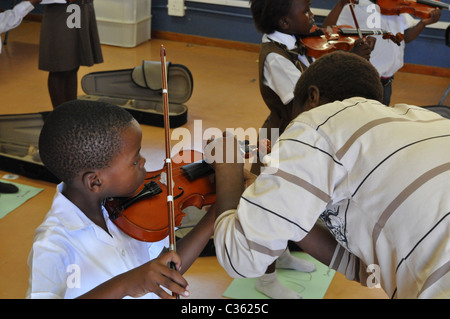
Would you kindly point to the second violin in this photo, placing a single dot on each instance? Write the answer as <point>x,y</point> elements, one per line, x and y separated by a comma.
<point>321,41</point>
<point>417,8</point>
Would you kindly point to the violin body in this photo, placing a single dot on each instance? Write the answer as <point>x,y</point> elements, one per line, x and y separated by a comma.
<point>419,8</point>
<point>343,37</point>
<point>330,40</point>
<point>144,215</point>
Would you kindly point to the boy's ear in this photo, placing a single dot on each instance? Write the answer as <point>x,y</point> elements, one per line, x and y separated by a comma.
<point>92,181</point>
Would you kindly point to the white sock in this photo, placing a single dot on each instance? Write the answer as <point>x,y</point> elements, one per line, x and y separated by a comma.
<point>269,285</point>
<point>287,261</point>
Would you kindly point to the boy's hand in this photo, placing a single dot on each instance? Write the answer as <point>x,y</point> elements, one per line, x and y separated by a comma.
<point>35,2</point>
<point>363,47</point>
<point>156,273</point>
<point>434,17</point>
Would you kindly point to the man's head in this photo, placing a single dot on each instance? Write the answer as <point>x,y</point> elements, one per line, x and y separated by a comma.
<point>81,135</point>
<point>336,76</point>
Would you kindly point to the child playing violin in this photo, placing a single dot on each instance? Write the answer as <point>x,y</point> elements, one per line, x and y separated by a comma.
<point>387,57</point>
<point>78,252</point>
<point>282,56</point>
<point>282,60</point>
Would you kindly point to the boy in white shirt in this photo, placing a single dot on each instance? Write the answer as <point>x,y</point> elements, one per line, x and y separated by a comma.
<point>94,148</point>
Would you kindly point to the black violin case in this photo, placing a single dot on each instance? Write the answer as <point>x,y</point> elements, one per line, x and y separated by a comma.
<point>139,90</point>
<point>19,154</point>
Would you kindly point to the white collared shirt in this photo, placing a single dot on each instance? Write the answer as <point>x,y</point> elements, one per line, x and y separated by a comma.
<point>71,255</point>
<point>12,18</point>
<point>280,74</point>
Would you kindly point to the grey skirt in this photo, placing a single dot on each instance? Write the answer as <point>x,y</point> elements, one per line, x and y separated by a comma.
<point>63,46</point>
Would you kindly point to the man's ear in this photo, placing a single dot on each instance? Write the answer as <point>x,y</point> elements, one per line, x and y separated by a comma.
<point>313,99</point>
<point>92,181</point>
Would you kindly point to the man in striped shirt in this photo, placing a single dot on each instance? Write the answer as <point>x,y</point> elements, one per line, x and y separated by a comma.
<point>377,177</point>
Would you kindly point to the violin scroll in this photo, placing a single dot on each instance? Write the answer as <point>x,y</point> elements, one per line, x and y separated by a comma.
<point>397,39</point>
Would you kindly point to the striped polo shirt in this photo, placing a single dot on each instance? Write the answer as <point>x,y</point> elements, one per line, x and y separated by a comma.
<point>377,176</point>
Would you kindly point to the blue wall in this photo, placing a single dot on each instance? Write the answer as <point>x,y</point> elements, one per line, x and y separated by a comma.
<point>235,23</point>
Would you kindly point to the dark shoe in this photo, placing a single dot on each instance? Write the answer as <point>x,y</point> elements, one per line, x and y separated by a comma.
<point>8,188</point>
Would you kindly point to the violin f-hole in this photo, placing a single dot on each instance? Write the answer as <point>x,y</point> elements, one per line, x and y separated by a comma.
<point>180,194</point>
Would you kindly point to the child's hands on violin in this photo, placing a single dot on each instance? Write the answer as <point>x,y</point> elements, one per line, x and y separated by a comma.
<point>435,14</point>
<point>363,47</point>
<point>156,273</point>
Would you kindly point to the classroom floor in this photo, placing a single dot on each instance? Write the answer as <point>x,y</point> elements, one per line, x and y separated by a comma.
<point>225,95</point>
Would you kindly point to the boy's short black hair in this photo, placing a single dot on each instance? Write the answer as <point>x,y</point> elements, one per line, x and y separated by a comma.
<point>79,135</point>
<point>339,75</point>
<point>267,13</point>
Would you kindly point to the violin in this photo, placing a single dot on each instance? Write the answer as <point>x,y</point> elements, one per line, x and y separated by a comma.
<point>418,8</point>
<point>321,41</point>
<point>143,216</point>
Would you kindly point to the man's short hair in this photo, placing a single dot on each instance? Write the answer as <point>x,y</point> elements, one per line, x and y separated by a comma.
<point>340,75</point>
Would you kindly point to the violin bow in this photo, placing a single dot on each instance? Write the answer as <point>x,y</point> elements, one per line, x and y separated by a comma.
<point>168,160</point>
<point>352,6</point>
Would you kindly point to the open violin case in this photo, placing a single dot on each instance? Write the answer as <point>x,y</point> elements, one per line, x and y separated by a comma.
<point>139,90</point>
<point>19,137</point>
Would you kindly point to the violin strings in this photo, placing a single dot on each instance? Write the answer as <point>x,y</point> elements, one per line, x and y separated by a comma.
<point>178,171</point>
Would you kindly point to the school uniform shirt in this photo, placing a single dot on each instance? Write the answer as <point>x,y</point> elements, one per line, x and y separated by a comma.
<point>280,74</point>
<point>10,19</point>
<point>71,255</point>
<point>378,177</point>
<point>387,57</point>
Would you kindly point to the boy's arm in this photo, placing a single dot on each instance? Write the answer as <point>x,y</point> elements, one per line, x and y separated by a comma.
<point>413,32</point>
<point>333,16</point>
<point>144,279</point>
